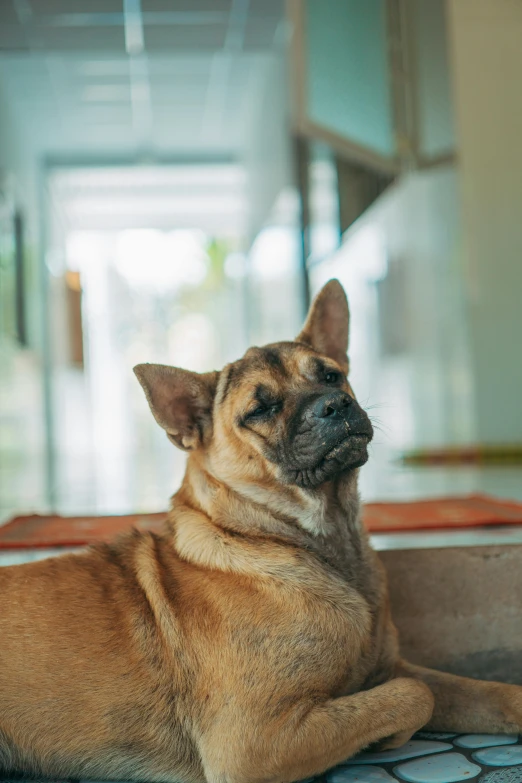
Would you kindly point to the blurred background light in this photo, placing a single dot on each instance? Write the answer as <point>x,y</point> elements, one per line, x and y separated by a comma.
<point>162,261</point>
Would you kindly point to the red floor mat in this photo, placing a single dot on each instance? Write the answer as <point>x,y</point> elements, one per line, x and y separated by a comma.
<point>31,532</point>
<point>28,532</point>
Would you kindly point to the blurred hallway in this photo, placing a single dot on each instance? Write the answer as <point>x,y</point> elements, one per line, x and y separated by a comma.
<point>155,255</point>
<point>132,142</point>
<point>177,177</point>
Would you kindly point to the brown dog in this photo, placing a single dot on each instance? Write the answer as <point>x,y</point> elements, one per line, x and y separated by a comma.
<point>253,640</point>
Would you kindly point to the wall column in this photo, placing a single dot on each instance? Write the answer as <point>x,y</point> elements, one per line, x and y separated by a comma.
<point>486,41</point>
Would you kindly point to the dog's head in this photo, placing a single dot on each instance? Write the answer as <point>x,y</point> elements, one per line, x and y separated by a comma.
<point>283,413</point>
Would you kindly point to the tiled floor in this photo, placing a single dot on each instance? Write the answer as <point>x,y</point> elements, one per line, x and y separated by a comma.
<point>438,758</point>
<point>432,758</point>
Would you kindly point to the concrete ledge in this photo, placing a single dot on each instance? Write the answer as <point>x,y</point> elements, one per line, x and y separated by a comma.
<point>459,609</point>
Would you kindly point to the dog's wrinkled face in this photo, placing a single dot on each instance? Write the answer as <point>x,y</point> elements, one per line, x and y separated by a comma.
<point>295,407</point>
<point>285,410</point>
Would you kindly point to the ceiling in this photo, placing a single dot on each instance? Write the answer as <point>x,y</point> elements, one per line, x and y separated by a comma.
<point>208,197</point>
<point>101,79</point>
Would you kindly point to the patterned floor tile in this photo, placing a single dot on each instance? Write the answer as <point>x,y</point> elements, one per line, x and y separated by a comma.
<point>360,774</point>
<point>499,757</point>
<point>443,768</point>
<point>410,750</point>
<point>485,740</point>
<point>504,775</point>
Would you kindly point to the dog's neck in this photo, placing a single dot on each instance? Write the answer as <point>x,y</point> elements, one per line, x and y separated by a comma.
<point>213,521</point>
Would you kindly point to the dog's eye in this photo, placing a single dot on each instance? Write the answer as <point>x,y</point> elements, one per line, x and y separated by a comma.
<point>332,377</point>
<point>264,411</point>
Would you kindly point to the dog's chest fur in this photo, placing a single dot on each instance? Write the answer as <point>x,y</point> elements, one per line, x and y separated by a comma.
<point>347,551</point>
<point>199,642</point>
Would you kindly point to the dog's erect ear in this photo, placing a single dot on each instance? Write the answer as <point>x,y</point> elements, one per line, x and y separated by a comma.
<point>327,324</point>
<point>181,402</point>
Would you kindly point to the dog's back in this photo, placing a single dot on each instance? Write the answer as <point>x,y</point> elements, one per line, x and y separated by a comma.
<point>83,685</point>
<point>115,660</point>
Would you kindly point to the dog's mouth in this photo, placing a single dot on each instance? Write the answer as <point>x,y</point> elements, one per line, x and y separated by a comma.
<point>354,442</point>
<point>347,454</point>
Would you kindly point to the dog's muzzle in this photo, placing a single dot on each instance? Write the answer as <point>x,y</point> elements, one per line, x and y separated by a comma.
<point>332,437</point>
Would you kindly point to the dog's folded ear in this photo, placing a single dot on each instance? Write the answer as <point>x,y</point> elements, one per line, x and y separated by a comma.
<point>327,324</point>
<point>181,402</point>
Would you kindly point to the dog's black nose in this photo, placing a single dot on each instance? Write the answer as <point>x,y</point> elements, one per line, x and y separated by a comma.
<point>332,406</point>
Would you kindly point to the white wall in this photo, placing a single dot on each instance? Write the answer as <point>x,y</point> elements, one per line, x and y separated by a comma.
<point>433,78</point>
<point>268,154</point>
<point>486,38</point>
<point>19,166</point>
<point>402,269</point>
<point>274,276</point>
<point>22,462</point>
<point>437,340</point>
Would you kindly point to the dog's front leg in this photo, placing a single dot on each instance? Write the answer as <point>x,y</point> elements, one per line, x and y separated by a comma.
<point>308,739</point>
<point>466,705</point>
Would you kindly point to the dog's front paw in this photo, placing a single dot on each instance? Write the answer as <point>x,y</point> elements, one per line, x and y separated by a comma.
<point>393,741</point>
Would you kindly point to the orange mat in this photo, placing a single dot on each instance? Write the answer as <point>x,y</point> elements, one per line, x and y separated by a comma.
<point>28,532</point>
